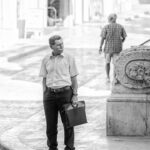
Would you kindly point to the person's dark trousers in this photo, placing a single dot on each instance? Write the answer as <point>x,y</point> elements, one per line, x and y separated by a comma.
<point>53,103</point>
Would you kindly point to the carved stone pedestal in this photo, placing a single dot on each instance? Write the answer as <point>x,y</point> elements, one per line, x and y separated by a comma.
<point>128,107</point>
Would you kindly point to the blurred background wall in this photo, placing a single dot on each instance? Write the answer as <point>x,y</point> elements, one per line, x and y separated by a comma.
<point>20,18</point>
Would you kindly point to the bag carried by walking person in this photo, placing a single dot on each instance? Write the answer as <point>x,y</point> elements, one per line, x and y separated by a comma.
<point>74,115</point>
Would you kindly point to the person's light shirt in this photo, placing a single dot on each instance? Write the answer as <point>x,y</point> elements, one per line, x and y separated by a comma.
<point>58,70</point>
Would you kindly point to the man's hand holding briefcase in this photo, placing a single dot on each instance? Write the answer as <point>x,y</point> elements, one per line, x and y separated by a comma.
<point>74,114</point>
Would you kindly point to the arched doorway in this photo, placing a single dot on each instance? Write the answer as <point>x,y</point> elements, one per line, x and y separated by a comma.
<point>57,11</point>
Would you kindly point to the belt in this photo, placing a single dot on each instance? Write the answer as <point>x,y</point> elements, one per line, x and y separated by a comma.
<point>59,89</point>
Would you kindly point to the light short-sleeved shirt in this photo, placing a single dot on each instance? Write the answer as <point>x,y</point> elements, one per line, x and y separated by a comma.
<point>58,70</point>
<point>113,34</point>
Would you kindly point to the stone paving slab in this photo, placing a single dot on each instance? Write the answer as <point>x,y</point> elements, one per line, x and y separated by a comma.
<point>17,90</point>
<point>26,53</point>
<point>13,113</point>
<point>30,134</point>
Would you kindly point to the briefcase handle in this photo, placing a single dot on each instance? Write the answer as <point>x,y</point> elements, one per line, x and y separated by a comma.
<point>78,104</point>
<point>74,106</point>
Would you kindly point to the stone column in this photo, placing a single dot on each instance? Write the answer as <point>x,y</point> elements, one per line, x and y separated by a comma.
<point>78,18</point>
<point>128,107</point>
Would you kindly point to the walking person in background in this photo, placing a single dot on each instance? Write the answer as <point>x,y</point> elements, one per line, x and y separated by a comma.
<point>114,35</point>
<point>60,86</point>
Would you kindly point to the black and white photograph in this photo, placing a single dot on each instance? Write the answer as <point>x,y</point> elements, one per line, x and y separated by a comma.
<point>74,74</point>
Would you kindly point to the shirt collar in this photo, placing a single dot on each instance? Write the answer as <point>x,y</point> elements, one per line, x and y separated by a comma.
<point>61,55</point>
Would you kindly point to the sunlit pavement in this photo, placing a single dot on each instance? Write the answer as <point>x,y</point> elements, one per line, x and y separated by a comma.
<point>22,117</point>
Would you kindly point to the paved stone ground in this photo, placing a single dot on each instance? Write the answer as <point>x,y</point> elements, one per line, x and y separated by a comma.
<point>30,134</point>
<point>27,129</point>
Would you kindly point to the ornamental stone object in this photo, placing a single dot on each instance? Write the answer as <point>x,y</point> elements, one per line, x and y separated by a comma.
<point>128,107</point>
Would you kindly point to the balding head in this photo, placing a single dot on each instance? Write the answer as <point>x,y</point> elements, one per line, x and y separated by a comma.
<point>112,17</point>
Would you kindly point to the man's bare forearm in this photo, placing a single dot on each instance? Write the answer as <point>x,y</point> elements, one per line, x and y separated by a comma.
<point>74,85</point>
<point>102,42</point>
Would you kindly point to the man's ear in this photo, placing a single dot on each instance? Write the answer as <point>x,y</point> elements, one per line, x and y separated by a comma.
<point>51,46</point>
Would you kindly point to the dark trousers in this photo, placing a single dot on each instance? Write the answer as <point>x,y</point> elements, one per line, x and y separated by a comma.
<point>52,105</point>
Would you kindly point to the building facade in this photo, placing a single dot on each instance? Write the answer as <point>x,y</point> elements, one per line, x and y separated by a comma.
<point>21,17</point>
<point>8,19</point>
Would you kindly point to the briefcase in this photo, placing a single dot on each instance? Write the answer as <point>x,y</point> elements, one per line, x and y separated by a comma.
<point>74,115</point>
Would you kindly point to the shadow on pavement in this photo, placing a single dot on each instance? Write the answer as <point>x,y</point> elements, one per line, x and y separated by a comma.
<point>2,147</point>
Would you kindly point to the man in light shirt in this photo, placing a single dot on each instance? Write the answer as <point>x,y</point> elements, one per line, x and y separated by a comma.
<point>60,86</point>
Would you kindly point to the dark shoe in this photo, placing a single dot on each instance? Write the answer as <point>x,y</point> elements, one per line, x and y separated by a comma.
<point>68,148</point>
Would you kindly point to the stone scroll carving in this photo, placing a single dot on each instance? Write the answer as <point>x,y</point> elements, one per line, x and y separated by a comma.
<point>132,68</point>
<point>128,112</point>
